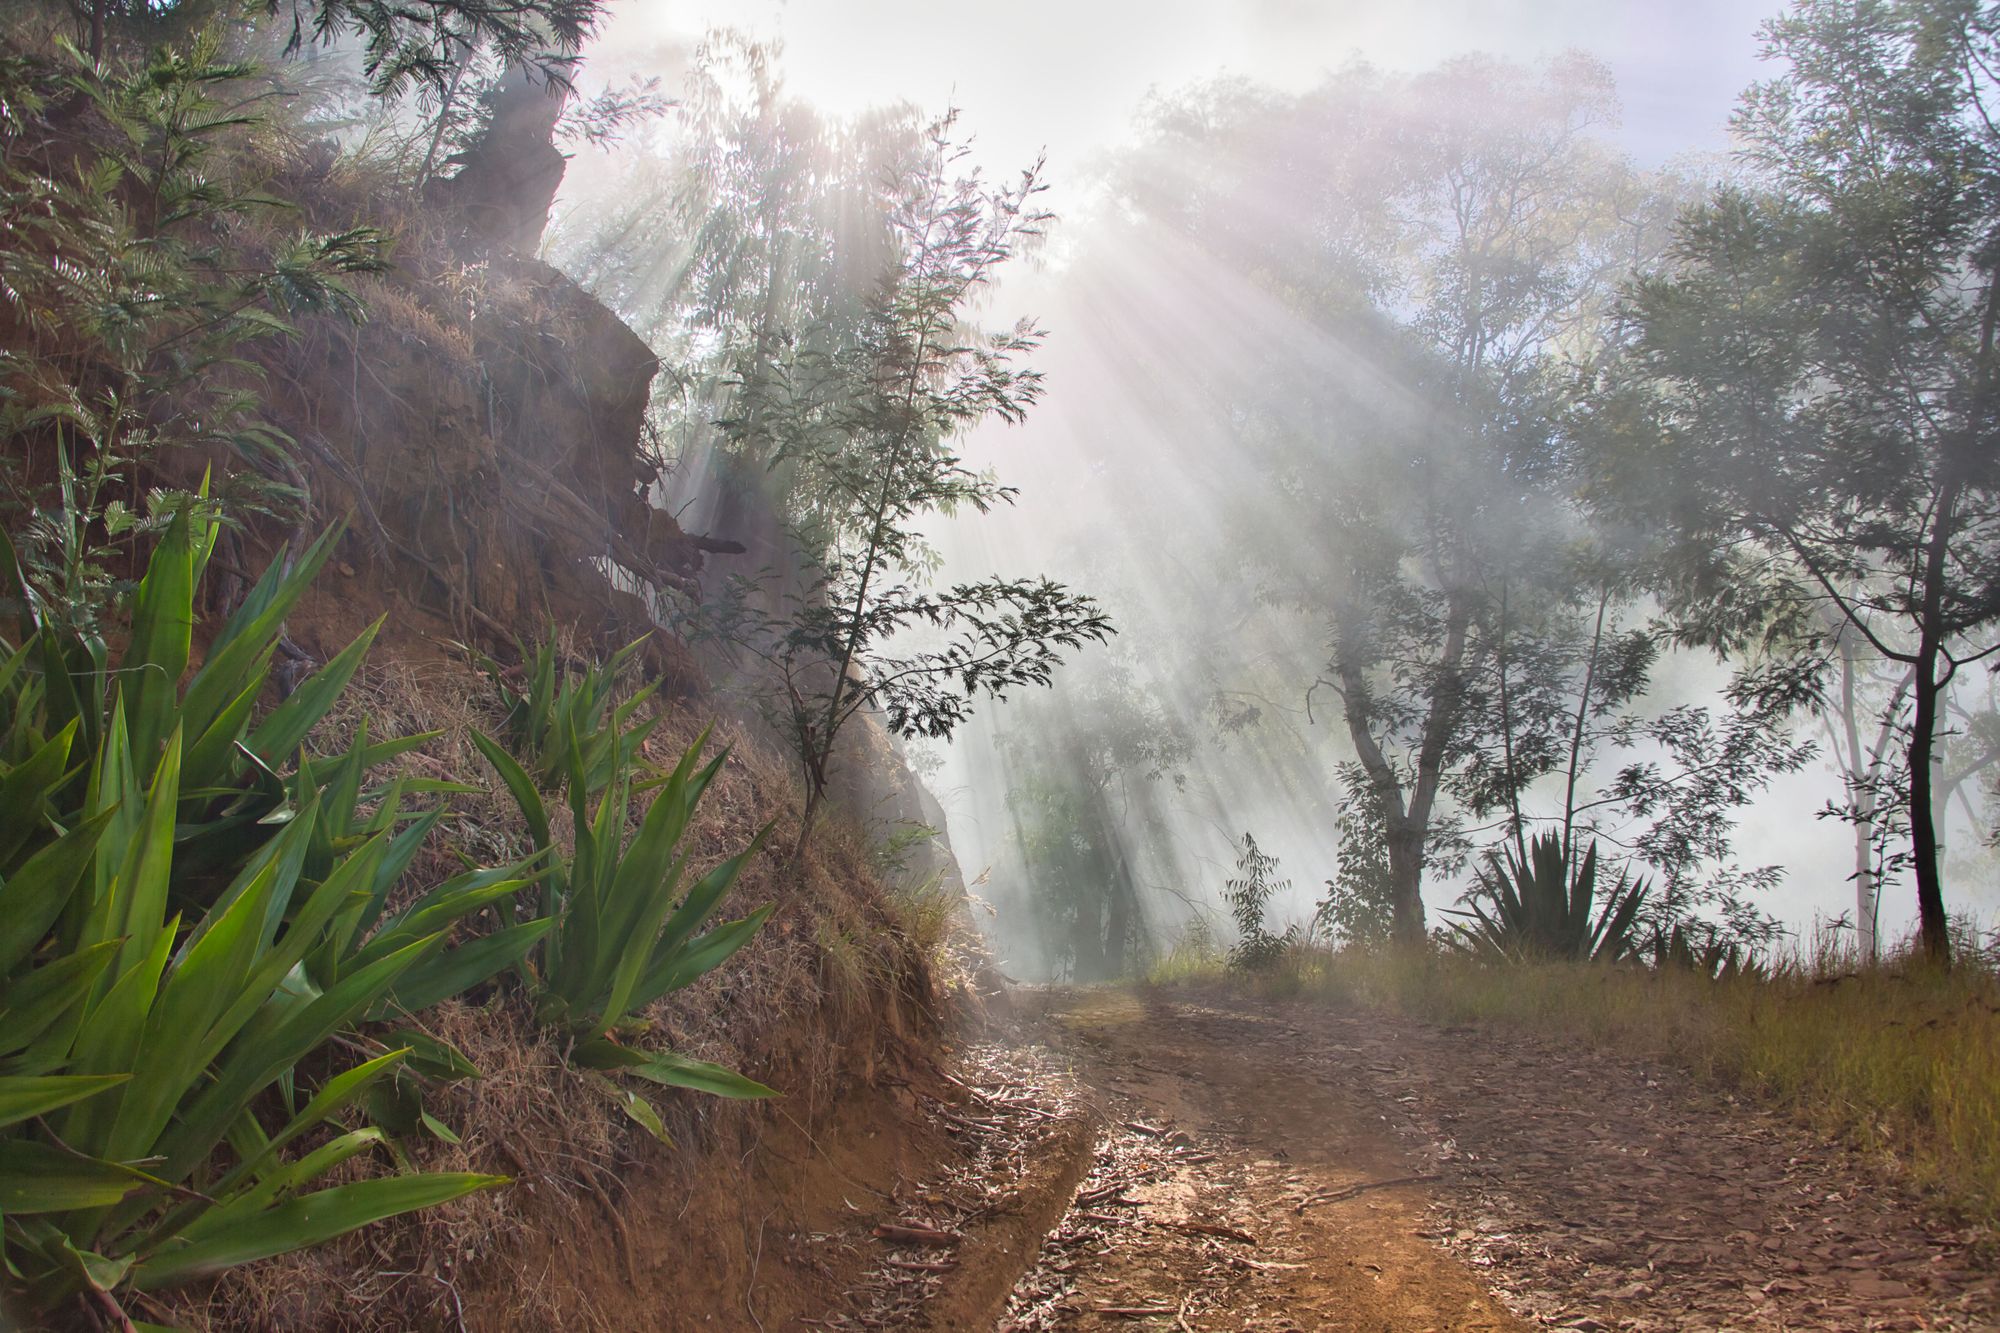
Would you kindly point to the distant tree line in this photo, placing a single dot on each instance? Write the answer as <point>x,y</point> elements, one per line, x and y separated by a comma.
<point>1541,426</point>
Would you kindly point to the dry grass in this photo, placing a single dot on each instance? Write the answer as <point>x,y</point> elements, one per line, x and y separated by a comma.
<point>1901,1060</point>
<point>804,1008</point>
<point>530,1116</point>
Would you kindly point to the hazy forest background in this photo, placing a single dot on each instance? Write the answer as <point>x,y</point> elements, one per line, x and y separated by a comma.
<point>568,538</point>
<point>1305,335</point>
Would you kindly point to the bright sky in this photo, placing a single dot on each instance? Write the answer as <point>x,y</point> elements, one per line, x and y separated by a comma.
<point>1065,75</point>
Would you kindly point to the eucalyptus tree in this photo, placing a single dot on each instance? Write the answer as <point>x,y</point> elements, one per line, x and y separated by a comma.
<point>1807,397</point>
<point>865,409</point>
<point>1449,242</point>
<point>742,238</point>
<point>813,284</point>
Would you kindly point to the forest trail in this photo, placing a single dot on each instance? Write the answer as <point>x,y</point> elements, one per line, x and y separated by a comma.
<point>1232,1191</point>
<point>1135,1160</point>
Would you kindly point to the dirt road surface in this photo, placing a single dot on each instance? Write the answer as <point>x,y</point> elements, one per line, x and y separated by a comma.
<point>1136,1160</point>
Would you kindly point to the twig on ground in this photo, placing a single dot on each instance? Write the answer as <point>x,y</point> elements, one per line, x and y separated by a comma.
<point>1208,1229</point>
<point>916,1234</point>
<point>1336,1196</point>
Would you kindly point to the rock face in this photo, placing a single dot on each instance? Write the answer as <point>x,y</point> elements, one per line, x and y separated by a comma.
<point>483,430</point>
<point>486,430</point>
<point>509,175</point>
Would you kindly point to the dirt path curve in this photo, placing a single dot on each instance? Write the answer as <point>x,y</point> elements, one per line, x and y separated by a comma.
<point>1134,1160</point>
<point>1591,1191</point>
<point>1227,1192</point>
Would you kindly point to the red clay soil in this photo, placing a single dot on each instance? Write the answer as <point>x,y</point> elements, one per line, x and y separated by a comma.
<point>1194,1163</point>
<point>1114,1160</point>
<point>1228,1192</point>
<point>1296,1166</point>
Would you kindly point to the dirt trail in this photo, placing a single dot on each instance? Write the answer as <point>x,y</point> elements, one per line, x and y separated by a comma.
<point>1145,1161</point>
<point>1227,1192</point>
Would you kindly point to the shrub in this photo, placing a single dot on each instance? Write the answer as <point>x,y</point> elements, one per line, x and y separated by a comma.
<point>1249,896</point>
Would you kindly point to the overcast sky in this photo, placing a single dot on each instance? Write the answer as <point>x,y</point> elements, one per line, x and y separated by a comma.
<point>1066,75</point>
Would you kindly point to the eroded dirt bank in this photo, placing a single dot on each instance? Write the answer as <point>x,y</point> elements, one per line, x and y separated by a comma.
<point>1208,1164</point>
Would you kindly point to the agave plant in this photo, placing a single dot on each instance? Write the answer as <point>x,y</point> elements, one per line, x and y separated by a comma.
<point>567,708</point>
<point>231,791</point>
<point>159,977</point>
<point>625,934</point>
<point>1538,909</point>
<point>365,929</point>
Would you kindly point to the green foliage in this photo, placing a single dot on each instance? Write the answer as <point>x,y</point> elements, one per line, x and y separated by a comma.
<point>1248,897</point>
<point>1072,855</point>
<point>1466,226</point>
<point>367,929</point>
<point>623,932</point>
<point>1803,411</point>
<point>230,793</point>
<point>182,931</point>
<point>63,677</point>
<point>1537,908</point>
<point>1091,769</point>
<point>137,280</point>
<point>864,412</point>
<point>422,44</point>
<point>567,706</point>
<point>1359,905</point>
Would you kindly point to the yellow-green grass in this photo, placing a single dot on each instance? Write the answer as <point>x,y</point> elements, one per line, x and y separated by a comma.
<point>1901,1060</point>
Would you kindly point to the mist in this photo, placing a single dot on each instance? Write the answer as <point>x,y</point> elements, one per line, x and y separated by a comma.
<point>1125,790</point>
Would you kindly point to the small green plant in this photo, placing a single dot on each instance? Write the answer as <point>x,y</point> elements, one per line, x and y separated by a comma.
<point>1537,909</point>
<point>365,929</point>
<point>624,933</point>
<point>1693,947</point>
<point>1249,896</point>
<point>569,707</point>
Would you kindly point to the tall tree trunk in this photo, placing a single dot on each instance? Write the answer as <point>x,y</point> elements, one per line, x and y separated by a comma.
<point>1941,788</point>
<point>1407,818</point>
<point>1927,690</point>
<point>1406,880</point>
<point>1087,948</point>
<point>1576,733</point>
<point>1932,925</point>
<point>1520,826</point>
<point>1117,926</point>
<point>1866,909</point>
